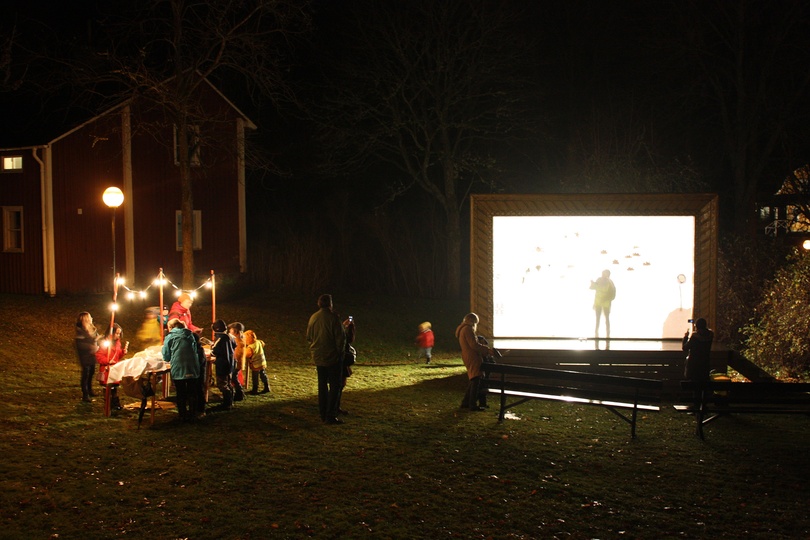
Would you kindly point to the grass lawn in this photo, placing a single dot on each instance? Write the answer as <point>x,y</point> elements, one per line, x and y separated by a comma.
<point>407,463</point>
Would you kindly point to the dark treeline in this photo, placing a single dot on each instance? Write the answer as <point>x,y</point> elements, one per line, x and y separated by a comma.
<point>393,113</point>
<point>637,97</point>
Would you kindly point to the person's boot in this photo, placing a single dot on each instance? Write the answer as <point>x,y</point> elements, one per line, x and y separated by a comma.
<point>266,384</point>
<point>115,405</point>
<point>254,377</point>
<point>238,392</point>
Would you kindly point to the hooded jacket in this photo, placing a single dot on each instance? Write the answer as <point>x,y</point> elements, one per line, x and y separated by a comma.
<point>180,350</point>
<point>471,351</point>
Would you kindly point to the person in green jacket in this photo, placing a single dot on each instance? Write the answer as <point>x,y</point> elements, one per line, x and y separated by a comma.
<point>180,350</point>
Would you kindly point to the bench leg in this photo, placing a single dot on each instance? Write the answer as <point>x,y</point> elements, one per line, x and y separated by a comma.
<point>633,423</point>
<point>502,409</point>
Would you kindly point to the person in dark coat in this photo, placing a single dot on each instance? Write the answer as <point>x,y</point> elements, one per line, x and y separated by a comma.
<point>222,351</point>
<point>698,347</point>
<point>86,346</point>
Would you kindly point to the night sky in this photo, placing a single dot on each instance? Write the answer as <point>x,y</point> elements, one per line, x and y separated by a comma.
<point>614,96</point>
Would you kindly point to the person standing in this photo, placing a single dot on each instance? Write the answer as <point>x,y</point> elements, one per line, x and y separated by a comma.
<point>602,299</point>
<point>222,351</point>
<point>180,350</point>
<point>86,347</point>
<point>349,357</point>
<point>327,340</point>
<point>254,350</point>
<point>109,354</point>
<point>237,332</point>
<point>472,353</point>
<point>199,386</point>
<point>698,347</point>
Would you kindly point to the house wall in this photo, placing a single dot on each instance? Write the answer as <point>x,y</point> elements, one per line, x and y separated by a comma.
<point>89,159</point>
<point>156,196</point>
<point>23,272</point>
<point>85,163</point>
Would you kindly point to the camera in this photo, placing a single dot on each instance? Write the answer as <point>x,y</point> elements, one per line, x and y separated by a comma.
<point>351,318</point>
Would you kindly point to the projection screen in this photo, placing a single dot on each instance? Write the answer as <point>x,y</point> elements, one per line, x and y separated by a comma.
<point>533,258</point>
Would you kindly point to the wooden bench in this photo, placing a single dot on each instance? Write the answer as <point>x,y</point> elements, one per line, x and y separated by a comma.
<point>722,398</point>
<point>623,396</point>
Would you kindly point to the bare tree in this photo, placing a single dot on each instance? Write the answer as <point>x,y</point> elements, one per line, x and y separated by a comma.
<point>428,87</point>
<point>752,59</point>
<point>163,51</point>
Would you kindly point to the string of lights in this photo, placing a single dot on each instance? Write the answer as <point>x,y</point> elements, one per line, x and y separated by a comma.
<point>160,281</point>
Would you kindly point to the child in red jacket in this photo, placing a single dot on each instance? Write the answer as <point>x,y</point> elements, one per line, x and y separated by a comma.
<point>424,340</point>
<point>109,353</point>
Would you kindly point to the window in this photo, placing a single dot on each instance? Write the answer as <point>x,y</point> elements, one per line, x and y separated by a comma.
<point>13,229</point>
<point>193,145</point>
<point>12,163</point>
<point>196,230</point>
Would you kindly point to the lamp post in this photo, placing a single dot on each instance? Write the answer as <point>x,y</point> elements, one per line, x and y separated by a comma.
<point>113,197</point>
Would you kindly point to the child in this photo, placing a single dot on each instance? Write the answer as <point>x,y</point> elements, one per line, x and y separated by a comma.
<point>222,351</point>
<point>180,350</point>
<point>424,340</point>
<point>254,350</point>
<point>149,334</point>
<point>110,353</point>
<point>237,332</point>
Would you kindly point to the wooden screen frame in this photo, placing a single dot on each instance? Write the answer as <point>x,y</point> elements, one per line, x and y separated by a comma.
<point>702,206</point>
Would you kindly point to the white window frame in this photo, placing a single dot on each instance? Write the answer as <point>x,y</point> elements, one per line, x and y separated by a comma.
<point>196,230</point>
<point>13,229</point>
<point>12,164</point>
<point>193,142</point>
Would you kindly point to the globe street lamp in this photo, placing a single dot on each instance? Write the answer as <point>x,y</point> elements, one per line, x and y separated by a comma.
<point>113,197</point>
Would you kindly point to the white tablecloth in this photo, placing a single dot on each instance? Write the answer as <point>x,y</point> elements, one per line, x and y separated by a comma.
<point>148,360</point>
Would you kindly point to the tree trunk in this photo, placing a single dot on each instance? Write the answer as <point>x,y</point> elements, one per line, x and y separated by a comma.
<point>453,251</point>
<point>187,201</point>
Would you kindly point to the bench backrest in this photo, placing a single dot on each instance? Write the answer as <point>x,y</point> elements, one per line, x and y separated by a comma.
<point>574,379</point>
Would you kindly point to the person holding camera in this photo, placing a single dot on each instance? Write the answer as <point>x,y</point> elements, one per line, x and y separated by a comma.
<point>698,347</point>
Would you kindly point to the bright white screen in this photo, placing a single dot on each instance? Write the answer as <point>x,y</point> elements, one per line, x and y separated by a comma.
<point>543,267</point>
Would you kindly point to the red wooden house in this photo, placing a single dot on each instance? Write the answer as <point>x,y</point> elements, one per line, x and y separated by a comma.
<point>57,231</point>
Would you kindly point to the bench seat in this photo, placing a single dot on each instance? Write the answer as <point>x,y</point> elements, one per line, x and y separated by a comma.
<point>623,396</point>
<point>722,398</point>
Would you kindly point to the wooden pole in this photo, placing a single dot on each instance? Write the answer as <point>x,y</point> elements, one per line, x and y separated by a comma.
<point>113,307</point>
<point>160,307</point>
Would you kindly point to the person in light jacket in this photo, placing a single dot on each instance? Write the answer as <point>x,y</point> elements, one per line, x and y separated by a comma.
<point>472,354</point>
<point>327,341</point>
